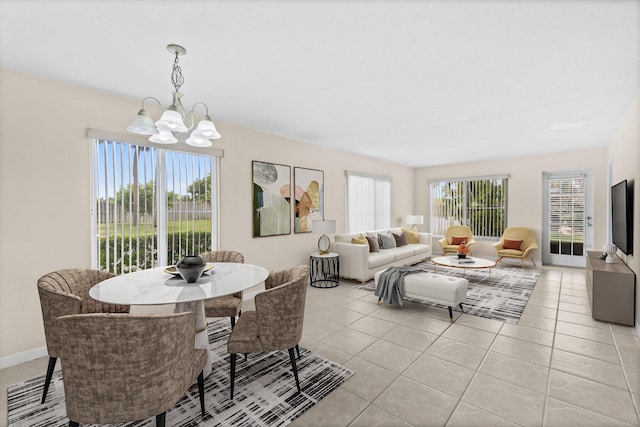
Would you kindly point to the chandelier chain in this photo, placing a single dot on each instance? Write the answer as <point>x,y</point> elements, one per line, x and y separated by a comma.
<point>177,79</point>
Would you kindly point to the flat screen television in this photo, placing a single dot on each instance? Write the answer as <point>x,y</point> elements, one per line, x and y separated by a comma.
<point>622,217</point>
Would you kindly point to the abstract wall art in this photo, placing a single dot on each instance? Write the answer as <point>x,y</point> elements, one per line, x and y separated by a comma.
<point>309,198</point>
<point>271,199</point>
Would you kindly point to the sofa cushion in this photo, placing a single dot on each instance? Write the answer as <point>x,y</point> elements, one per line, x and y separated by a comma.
<point>420,249</point>
<point>412,236</point>
<point>401,239</point>
<point>381,258</point>
<point>403,252</point>
<point>373,244</point>
<point>359,240</point>
<point>386,241</point>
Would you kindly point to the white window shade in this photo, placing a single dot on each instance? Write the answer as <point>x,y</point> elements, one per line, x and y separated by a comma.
<point>368,202</point>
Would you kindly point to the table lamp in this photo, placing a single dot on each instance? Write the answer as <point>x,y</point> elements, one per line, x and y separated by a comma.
<point>323,227</point>
<point>413,220</point>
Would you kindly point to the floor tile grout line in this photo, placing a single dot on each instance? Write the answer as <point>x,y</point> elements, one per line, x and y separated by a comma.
<point>473,377</point>
<point>553,346</point>
<point>626,377</point>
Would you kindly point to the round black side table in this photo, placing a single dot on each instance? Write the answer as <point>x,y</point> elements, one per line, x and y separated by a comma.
<point>324,270</point>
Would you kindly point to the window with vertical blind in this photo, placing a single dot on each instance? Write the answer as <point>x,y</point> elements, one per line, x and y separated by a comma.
<point>480,203</point>
<point>368,202</point>
<point>151,206</point>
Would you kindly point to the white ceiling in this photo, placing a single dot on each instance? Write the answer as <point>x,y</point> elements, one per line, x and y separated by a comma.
<point>413,82</point>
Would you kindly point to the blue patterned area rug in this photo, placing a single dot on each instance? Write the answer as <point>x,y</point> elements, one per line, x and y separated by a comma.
<point>265,391</point>
<point>503,297</point>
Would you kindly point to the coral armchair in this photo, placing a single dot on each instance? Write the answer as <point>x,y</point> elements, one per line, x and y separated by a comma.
<point>516,242</point>
<point>455,235</point>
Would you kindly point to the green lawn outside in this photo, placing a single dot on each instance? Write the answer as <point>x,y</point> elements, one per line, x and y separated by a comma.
<point>559,237</point>
<point>200,225</point>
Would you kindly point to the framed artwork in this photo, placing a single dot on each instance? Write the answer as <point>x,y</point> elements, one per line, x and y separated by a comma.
<point>271,199</point>
<point>309,198</point>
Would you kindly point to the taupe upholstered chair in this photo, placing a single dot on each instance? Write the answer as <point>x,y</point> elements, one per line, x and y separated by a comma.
<point>516,242</point>
<point>65,292</point>
<point>120,368</point>
<point>276,323</point>
<point>454,235</point>
<point>228,305</point>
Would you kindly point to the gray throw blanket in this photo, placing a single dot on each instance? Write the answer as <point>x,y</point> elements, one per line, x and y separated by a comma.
<point>389,288</point>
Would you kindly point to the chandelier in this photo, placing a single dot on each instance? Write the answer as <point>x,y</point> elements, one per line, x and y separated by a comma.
<point>172,121</point>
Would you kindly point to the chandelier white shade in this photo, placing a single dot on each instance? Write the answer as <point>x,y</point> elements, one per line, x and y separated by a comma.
<point>172,120</point>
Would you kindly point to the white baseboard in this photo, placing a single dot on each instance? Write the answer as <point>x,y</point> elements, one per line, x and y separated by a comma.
<point>22,357</point>
<point>638,328</point>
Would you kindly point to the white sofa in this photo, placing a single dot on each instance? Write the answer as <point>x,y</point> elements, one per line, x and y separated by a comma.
<point>356,262</point>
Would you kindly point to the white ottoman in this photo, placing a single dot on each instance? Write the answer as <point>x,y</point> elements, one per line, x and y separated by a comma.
<point>431,287</point>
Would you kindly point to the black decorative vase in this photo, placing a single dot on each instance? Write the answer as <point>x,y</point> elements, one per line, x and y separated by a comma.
<point>191,267</point>
<point>462,256</point>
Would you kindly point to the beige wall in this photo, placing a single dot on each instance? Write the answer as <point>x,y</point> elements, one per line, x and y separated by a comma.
<point>44,192</point>
<point>624,158</point>
<point>525,204</point>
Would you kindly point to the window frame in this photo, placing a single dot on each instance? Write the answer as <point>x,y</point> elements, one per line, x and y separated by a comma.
<point>464,208</point>
<point>161,185</point>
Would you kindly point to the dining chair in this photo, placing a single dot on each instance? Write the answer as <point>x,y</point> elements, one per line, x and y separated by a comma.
<point>228,305</point>
<point>65,292</point>
<point>276,323</point>
<point>120,368</point>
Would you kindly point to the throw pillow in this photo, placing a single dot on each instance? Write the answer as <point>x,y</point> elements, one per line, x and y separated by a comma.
<point>373,244</point>
<point>456,240</point>
<point>359,240</point>
<point>412,236</point>
<point>386,241</point>
<point>512,244</point>
<point>401,239</point>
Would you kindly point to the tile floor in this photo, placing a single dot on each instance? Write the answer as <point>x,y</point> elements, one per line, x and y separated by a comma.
<point>557,367</point>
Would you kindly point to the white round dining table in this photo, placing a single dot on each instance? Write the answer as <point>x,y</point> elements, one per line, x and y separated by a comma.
<point>155,286</point>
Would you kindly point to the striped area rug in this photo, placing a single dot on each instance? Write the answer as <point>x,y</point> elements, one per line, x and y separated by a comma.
<point>503,297</point>
<point>265,391</point>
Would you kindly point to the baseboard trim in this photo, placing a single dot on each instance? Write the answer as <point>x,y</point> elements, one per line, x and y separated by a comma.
<point>638,328</point>
<point>22,357</point>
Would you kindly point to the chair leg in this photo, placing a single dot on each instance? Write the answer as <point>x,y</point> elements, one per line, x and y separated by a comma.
<point>73,424</point>
<point>461,308</point>
<point>450,314</point>
<point>523,268</point>
<point>47,381</point>
<point>292,356</point>
<point>201,391</point>
<point>533,261</point>
<point>161,419</point>
<point>233,322</point>
<point>232,372</point>
<point>498,260</point>
<point>298,351</point>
